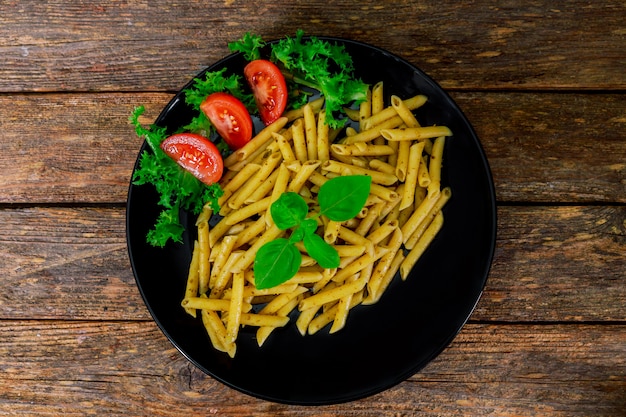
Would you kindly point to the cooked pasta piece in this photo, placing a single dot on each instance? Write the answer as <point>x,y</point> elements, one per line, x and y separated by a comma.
<point>299,153</point>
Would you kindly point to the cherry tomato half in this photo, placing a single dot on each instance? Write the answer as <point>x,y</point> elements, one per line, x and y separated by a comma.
<point>269,88</point>
<point>230,118</point>
<point>196,154</point>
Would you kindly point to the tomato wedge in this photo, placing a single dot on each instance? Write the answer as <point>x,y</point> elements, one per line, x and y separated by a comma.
<point>196,154</point>
<point>269,88</point>
<point>230,118</point>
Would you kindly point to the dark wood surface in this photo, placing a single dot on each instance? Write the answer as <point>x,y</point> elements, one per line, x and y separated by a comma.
<point>544,85</point>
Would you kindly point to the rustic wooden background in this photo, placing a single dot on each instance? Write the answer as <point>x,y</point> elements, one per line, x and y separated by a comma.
<point>544,84</point>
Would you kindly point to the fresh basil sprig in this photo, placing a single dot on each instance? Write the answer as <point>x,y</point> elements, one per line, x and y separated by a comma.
<point>339,199</point>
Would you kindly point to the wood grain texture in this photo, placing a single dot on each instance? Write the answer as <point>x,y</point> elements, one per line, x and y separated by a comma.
<point>61,148</point>
<point>129,368</point>
<point>543,84</point>
<point>551,264</point>
<point>552,147</point>
<point>557,263</point>
<point>65,263</point>
<point>75,148</point>
<point>70,45</point>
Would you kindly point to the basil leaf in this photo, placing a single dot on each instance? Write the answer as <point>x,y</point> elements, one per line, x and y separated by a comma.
<point>297,235</point>
<point>309,226</point>
<point>289,210</point>
<point>275,263</point>
<point>342,198</point>
<point>325,255</point>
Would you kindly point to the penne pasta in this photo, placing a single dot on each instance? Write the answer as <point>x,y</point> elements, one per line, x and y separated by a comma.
<point>412,257</point>
<point>302,175</point>
<point>299,141</point>
<point>375,131</point>
<point>191,288</point>
<point>378,101</point>
<point>411,178</point>
<point>295,114</point>
<point>263,320</point>
<point>383,166</point>
<point>247,211</point>
<point>255,143</point>
<point>346,169</point>
<point>299,153</point>
<point>415,133</point>
<point>443,198</point>
<point>380,271</point>
<point>310,132</point>
<point>238,199</point>
<point>362,149</point>
<point>204,270</point>
<point>390,112</point>
<point>235,308</point>
<point>436,160</point>
<point>323,139</point>
<point>205,303</point>
<point>365,109</point>
<point>331,231</point>
<point>285,148</point>
<point>324,297</point>
<point>402,160</point>
<point>404,112</point>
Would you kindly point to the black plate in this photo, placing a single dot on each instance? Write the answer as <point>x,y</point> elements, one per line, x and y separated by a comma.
<point>382,344</point>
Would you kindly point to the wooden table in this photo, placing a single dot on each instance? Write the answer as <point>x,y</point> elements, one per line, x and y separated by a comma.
<point>543,84</point>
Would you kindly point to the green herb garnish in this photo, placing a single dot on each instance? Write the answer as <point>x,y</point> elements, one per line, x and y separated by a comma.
<point>339,199</point>
<point>316,64</point>
<point>177,188</point>
<point>214,82</point>
<point>249,45</point>
<point>325,67</point>
<point>309,62</point>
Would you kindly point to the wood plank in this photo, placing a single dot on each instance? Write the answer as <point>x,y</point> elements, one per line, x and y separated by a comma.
<point>551,264</point>
<point>70,46</point>
<point>557,263</point>
<point>129,368</point>
<point>70,148</point>
<point>67,263</point>
<point>552,147</point>
<point>541,147</point>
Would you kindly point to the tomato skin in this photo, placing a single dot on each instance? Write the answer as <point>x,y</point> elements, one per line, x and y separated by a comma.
<point>196,154</point>
<point>230,118</point>
<point>269,88</point>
